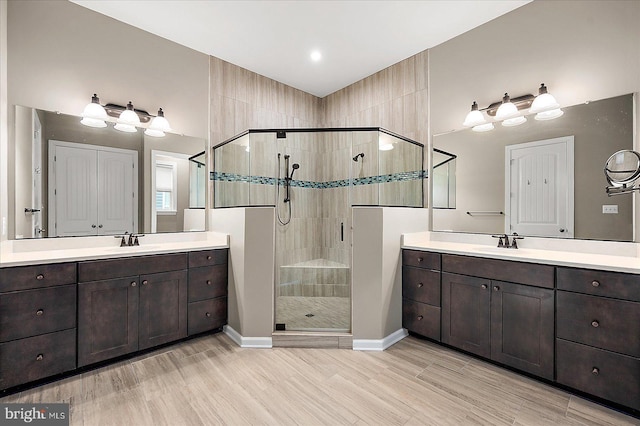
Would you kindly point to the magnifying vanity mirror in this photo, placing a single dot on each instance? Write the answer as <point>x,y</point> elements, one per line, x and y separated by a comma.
<point>74,180</point>
<point>622,170</point>
<point>542,178</point>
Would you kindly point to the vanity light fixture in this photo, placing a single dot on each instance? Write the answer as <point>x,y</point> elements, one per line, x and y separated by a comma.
<point>545,105</point>
<point>128,120</point>
<point>94,114</point>
<point>159,125</point>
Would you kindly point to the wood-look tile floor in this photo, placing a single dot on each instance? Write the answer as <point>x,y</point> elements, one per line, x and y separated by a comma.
<point>210,380</point>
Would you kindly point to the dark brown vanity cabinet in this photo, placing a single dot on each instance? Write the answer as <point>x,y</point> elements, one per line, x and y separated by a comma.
<point>207,295</point>
<point>37,322</point>
<point>506,321</point>
<point>421,293</point>
<point>598,334</point>
<point>130,304</point>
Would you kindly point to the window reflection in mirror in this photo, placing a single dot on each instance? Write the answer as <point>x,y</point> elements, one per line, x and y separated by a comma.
<point>56,155</point>
<point>599,128</point>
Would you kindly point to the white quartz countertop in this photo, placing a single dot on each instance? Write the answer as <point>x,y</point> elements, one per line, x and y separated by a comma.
<point>57,250</point>
<point>629,264</point>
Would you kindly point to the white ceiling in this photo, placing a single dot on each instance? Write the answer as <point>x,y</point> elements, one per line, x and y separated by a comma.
<point>275,38</point>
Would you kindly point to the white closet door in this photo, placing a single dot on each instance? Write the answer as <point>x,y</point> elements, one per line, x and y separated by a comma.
<point>116,177</point>
<point>74,191</point>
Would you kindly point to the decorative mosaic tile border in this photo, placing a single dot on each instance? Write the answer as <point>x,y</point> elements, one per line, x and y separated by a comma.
<point>370,180</point>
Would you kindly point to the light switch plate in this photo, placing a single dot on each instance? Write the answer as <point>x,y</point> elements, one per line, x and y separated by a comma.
<point>610,209</point>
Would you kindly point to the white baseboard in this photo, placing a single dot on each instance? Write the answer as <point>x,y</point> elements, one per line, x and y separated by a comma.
<point>247,342</point>
<point>379,344</point>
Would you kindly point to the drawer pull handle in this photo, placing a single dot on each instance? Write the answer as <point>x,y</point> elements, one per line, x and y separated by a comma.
<point>39,312</point>
<point>595,371</point>
<point>484,286</point>
<point>420,259</point>
<point>595,283</point>
<point>209,257</point>
<point>208,315</point>
<point>145,282</point>
<point>420,285</point>
<point>133,284</point>
<point>496,288</point>
<point>39,277</point>
<point>595,323</point>
<point>420,317</point>
<point>39,357</point>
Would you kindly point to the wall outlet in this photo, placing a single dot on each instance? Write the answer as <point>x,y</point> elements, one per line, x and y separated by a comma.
<point>610,209</point>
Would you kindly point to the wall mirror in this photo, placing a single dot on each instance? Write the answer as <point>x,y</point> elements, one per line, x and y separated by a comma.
<point>542,178</point>
<point>74,180</point>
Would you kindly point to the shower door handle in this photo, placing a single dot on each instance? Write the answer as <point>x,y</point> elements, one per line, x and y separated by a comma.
<point>341,231</point>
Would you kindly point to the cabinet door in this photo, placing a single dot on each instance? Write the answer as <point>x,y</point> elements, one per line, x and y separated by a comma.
<point>163,308</point>
<point>522,327</point>
<point>466,313</point>
<point>107,319</point>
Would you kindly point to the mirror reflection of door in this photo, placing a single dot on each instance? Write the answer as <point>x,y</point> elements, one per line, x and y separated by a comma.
<point>36,172</point>
<point>539,188</point>
<point>92,189</point>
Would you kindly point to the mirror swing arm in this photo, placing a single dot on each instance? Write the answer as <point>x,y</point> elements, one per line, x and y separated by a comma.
<point>622,173</point>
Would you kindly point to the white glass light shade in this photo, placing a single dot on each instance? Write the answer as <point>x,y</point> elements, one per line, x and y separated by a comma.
<point>483,127</point>
<point>385,146</point>
<point>158,125</point>
<point>125,128</point>
<point>94,114</point>
<point>515,121</point>
<point>474,118</point>
<point>507,109</point>
<point>128,120</point>
<point>544,101</point>
<point>154,133</point>
<point>549,115</point>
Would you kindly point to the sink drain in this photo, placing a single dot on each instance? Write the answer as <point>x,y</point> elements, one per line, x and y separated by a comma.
<point>309,315</point>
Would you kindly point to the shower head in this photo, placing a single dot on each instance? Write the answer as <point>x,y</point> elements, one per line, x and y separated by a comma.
<point>361,155</point>
<point>295,167</point>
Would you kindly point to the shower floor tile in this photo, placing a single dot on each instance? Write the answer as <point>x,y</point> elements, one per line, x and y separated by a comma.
<point>314,313</point>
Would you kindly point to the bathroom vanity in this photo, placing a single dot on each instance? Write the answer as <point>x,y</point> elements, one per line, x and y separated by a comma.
<point>58,317</point>
<point>578,327</point>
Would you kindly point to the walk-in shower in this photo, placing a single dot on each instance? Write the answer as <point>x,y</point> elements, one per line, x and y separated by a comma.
<point>313,177</point>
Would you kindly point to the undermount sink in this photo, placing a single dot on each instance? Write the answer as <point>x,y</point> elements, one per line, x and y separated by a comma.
<point>500,250</point>
<point>125,249</point>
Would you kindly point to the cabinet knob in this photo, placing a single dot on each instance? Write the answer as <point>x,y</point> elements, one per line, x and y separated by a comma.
<point>484,286</point>
<point>39,312</point>
<point>208,282</point>
<point>420,259</point>
<point>595,371</point>
<point>420,317</point>
<point>145,282</point>
<point>420,285</point>
<point>496,288</point>
<point>39,277</point>
<point>209,257</point>
<point>595,323</point>
<point>133,284</point>
<point>39,357</point>
<point>208,314</point>
<point>595,283</point>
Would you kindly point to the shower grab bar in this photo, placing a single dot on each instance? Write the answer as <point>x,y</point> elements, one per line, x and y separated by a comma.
<point>483,213</point>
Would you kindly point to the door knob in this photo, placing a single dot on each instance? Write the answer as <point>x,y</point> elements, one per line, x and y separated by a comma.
<point>562,229</point>
<point>93,225</point>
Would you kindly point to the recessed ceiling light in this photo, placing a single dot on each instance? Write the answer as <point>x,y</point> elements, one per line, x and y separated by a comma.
<point>316,56</point>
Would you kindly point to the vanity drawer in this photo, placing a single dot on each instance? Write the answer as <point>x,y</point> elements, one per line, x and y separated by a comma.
<point>28,277</point>
<point>421,259</point>
<point>598,372</point>
<point>207,315</point>
<point>421,318</point>
<point>207,282</point>
<point>32,312</point>
<point>597,321</point>
<point>421,285</point>
<point>26,360</point>
<point>207,257</point>
<point>600,283</point>
<point>501,270</point>
<point>95,270</point>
